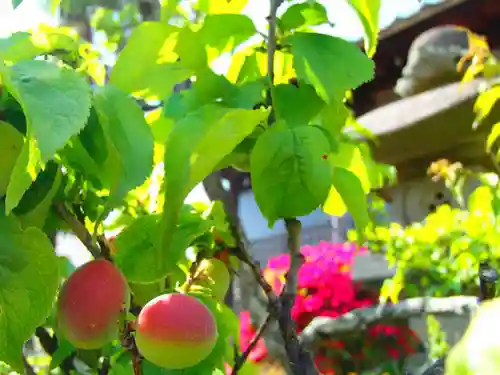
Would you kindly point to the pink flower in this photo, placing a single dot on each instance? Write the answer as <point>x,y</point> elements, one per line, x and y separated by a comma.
<point>326,288</point>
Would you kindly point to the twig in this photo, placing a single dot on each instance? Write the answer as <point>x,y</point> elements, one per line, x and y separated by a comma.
<point>322,328</point>
<point>78,229</point>
<point>271,39</point>
<point>240,361</point>
<point>104,246</point>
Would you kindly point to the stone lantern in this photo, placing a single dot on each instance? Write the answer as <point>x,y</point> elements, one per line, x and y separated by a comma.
<point>433,120</point>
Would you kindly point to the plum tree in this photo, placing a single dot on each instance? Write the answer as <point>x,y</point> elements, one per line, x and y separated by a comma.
<point>212,274</point>
<point>478,351</point>
<point>90,303</point>
<point>175,331</point>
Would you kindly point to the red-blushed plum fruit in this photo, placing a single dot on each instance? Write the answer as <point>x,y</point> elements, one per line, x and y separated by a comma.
<point>90,303</point>
<point>175,331</point>
<point>213,274</point>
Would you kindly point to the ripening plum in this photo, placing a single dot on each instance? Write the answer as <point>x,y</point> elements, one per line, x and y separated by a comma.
<point>175,331</point>
<point>90,303</point>
<point>213,274</point>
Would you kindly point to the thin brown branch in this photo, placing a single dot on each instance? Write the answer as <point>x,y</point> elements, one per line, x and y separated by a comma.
<point>78,229</point>
<point>240,361</point>
<point>322,328</point>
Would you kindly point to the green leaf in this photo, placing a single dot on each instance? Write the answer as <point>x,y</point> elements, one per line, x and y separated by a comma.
<point>36,204</point>
<point>308,13</point>
<point>147,66</point>
<point>223,32</point>
<point>46,39</point>
<point>334,117</point>
<point>64,350</point>
<point>211,88</point>
<point>56,104</point>
<point>140,243</point>
<point>368,13</point>
<point>130,136</point>
<point>492,137</point>
<point>27,293</point>
<point>348,156</point>
<point>246,66</point>
<point>332,65</point>
<point>191,49</point>
<point>11,142</point>
<point>290,172</point>
<point>16,3</point>
<point>347,194</point>
<point>196,145</point>
<point>296,105</point>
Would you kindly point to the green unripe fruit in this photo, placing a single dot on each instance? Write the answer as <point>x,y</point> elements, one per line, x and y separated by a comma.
<point>478,351</point>
<point>175,331</point>
<point>90,303</point>
<point>212,274</point>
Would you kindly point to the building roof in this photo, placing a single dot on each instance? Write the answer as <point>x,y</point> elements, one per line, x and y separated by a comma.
<point>480,16</point>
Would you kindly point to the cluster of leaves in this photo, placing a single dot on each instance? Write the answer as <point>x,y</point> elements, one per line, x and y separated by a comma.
<point>326,289</point>
<point>78,153</point>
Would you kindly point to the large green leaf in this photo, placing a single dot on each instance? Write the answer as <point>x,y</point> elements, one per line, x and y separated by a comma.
<point>147,67</point>
<point>296,105</point>
<point>291,175</point>
<point>28,286</point>
<point>196,145</point>
<point>368,13</point>
<point>130,139</point>
<point>139,244</point>
<point>46,39</point>
<point>308,13</point>
<point>332,65</point>
<point>11,142</point>
<point>56,103</point>
<point>347,194</point>
<point>222,33</point>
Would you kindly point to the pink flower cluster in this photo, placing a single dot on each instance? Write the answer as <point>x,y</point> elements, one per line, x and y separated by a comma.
<point>326,289</point>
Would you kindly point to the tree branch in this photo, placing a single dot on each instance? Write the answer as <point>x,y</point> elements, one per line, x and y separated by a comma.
<point>271,39</point>
<point>301,361</point>
<point>322,328</point>
<point>78,229</point>
<point>240,361</point>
